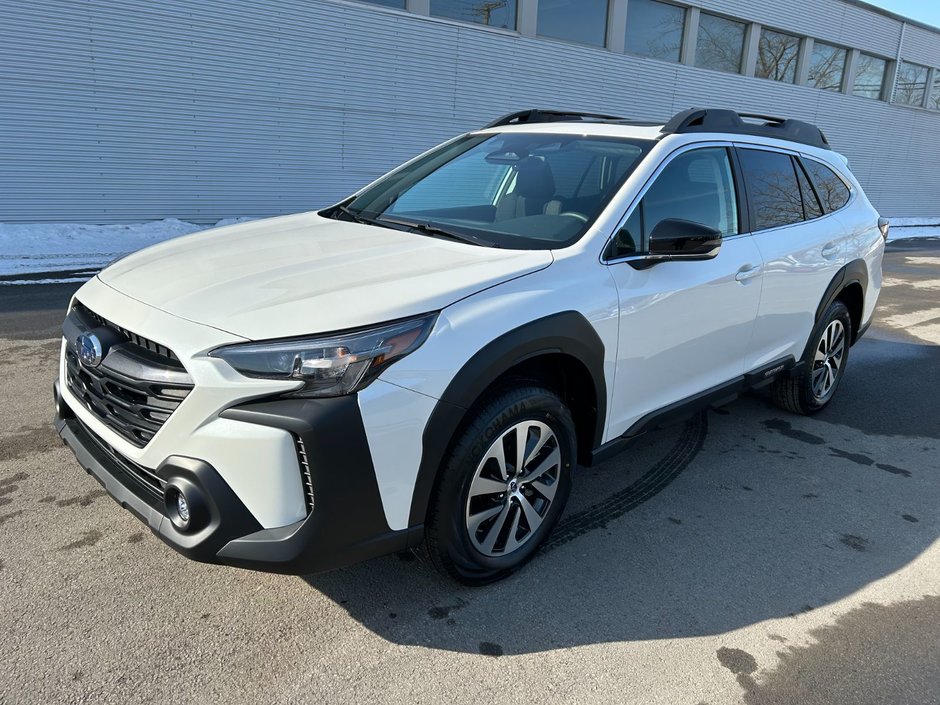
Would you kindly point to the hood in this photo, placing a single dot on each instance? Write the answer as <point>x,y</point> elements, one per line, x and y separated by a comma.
<point>304,274</point>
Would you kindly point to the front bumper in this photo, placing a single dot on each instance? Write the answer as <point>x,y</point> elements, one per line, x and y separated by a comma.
<point>347,524</point>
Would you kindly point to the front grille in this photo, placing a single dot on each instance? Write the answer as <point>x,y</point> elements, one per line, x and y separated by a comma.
<point>144,479</point>
<point>305,476</point>
<point>131,337</point>
<point>134,389</point>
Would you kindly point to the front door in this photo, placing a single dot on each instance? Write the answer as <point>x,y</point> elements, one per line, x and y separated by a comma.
<point>685,327</point>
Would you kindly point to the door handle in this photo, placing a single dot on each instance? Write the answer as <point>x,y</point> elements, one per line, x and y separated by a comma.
<point>746,272</point>
<point>830,250</point>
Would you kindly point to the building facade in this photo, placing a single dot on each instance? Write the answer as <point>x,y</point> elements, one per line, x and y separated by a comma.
<point>130,110</point>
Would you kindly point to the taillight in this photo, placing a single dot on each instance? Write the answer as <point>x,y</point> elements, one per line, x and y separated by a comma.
<point>883,226</point>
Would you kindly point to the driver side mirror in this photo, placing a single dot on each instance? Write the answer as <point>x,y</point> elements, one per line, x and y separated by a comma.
<point>677,239</point>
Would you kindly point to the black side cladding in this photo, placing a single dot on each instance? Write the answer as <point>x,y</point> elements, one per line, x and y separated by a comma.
<point>567,332</point>
<point>347,524</point>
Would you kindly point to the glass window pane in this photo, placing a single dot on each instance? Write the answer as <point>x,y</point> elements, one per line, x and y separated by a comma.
<point>654,29</point>
<point>912,84</point>
<point>826,67</point>
<point>772,188</point>
<point>934,102</point>
<point>776,56</point>
<point>695,186</point>
<point>811,207</point>
<point>494,13</point>
<point>582,21</point>
<point>869,76</point>
<point>831,189</point>
<point>400,4</point>
<point>720,43</point>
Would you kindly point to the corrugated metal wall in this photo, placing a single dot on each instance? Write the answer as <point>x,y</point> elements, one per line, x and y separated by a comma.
<point>130,110</point>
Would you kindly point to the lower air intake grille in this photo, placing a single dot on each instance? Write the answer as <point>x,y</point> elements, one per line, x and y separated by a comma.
<point>305,476</point>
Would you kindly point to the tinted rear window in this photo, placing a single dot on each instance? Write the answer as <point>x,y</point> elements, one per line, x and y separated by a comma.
<point>831,189</point>
<point>772,187</point>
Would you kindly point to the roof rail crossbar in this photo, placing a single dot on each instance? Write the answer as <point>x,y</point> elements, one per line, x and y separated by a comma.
<point>536,115</point>
<point>717,120</point>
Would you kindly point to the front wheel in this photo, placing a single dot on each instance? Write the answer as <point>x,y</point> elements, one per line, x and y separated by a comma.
<point>502,487</point>
<point>813,388</point>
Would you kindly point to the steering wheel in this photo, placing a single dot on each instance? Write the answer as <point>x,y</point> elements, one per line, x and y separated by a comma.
<point>573,214</point>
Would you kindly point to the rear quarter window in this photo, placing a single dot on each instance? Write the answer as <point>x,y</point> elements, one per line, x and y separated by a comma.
<point>832,190</point>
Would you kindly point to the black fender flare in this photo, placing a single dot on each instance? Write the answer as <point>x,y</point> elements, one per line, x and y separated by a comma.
<point>567,332</point>
<point>855,272</point>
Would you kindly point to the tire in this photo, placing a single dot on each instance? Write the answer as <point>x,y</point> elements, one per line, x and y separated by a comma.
<point>476,534</point>
<point>812,389</point>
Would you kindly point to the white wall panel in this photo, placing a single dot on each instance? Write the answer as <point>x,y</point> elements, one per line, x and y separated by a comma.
<point>130,110</point>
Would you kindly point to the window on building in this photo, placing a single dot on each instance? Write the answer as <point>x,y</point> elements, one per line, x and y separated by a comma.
<point>911,86</point>
<point>777,54</point>
<point>655,29</point>
<point>869,76</point>
<point>581,21</point>
<point>831,189</point>
<point>493,13</point>
<point>696,186</point>
<point>826,67</point>
<point>772,188</point>
<point>934,101</point>
<point>720,43</point>
<point>398,4</point>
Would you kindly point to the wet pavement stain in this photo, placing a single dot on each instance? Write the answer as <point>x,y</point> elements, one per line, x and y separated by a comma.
<point>84,500</point>
<point>738,661</point>
<point>488,648</point>
<point>445,611</point>
<point>6,517</point>
<point>675,521</point>
<point>135,538</point>
<point>89,538</point>
<point>847,661</point>
<point>893,470</point>
<point>856,543</point>
<point>785,429</point>
<point>28,441</point>
<point>856,458</point>
<point>910,517</point>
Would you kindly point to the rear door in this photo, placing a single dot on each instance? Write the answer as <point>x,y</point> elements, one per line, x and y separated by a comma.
<point>802,247</point>
<point>685,327</point>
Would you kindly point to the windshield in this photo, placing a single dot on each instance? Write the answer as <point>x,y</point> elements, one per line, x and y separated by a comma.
<point>514,190</point>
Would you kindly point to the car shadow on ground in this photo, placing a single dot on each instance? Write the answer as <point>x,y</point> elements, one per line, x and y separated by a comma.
<point>747,514</point>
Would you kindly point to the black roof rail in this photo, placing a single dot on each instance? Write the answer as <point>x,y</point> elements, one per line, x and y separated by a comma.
<point>535,115</point>
<point>718,120</point>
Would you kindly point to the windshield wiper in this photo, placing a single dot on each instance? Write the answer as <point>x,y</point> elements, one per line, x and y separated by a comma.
<point>435,230</point>
<point>357,217</point>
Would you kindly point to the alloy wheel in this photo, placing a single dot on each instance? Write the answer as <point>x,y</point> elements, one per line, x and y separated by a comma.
<point>513,488</point>
<point>827,362</point>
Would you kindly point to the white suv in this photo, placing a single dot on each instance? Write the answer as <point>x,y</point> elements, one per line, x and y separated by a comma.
<point>425,363</point>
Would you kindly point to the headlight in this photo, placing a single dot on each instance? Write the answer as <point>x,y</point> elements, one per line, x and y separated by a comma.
<point>330,365</point>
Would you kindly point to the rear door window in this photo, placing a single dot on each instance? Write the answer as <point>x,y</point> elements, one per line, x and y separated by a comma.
<point>831,188</point>
<point>772,187</point>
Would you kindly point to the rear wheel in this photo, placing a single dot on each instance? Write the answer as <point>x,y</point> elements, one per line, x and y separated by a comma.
<point>503,486</point>
<point>813,388</point>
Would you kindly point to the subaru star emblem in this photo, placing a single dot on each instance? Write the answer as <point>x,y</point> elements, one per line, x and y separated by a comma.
<point>89,349</point>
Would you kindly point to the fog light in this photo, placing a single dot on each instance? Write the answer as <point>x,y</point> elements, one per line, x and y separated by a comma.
<point>182,507</point>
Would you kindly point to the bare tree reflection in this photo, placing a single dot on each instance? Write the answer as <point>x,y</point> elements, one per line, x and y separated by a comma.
<point>827,67</point>
<point>911,84</point>
<point>777,55</point>
<point>720,43</point>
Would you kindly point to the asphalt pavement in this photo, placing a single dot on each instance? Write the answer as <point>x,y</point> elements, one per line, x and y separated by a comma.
<point>745,556</point>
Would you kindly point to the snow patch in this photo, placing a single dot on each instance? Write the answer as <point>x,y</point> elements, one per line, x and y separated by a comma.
<point>28,248</point>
